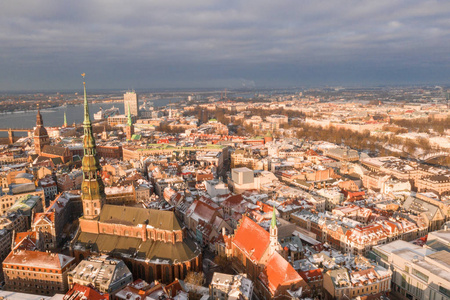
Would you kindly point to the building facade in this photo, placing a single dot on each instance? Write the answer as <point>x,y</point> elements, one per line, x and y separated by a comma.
<point>130,103</point>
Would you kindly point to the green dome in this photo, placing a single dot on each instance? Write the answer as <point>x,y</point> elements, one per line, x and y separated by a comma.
<point>269,134</point>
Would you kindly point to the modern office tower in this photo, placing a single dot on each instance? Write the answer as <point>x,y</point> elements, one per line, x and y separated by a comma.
<point>130,100</point>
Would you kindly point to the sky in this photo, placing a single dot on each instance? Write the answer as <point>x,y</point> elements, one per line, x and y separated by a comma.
<point>143,44</point>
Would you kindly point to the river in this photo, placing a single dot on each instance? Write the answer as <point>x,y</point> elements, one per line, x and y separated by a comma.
<point>55,116</point>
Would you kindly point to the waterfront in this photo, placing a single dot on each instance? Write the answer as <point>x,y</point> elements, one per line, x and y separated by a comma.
<point>55,116</point>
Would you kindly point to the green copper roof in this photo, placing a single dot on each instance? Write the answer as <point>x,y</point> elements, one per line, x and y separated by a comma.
<point>273,224</point>
<point>129,122</point>
<point>65,119</point>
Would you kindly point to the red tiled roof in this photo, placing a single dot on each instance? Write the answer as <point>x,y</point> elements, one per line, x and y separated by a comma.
<point>204,211</point>
<point>251,238</point>
<point>78,292</point>
<point>264,207</point>
<point>173,288</point>
<point>279,272</point>
<point>25,240</point>
<point>233,200</point>
<point>49,215</point>
<point>38,259</point>
<point>311,152</point>
<point>308,275</point>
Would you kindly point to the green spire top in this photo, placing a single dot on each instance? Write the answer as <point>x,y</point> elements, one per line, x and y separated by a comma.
<point>129,122</point>
<point>273,224</point>
<point>87,118</point>
<point>65,120</point>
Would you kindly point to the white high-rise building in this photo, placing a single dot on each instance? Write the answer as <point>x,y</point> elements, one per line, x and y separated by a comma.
<point>130,99</point>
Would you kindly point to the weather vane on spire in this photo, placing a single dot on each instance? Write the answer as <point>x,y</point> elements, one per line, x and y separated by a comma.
<point>83,75</point>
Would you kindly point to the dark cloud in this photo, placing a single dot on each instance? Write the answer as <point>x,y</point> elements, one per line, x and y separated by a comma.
<point>200,43</point>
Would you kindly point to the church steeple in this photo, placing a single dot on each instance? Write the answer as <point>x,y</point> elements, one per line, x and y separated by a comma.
<point>39,121</point>
<point>129,130</point>
<point>273,223</point>
<point>65,120</point>
<point>40,134</point>
<point>129,121</point>
<point>93,194</point>
<point>273,245</point>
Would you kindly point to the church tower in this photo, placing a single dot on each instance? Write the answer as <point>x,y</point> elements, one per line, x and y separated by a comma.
<point>129,129</point>
<point>65,120</point>
<point>92,188</point>
<point>273,245</point>
<point>40,134</point>
<point>104,134</point>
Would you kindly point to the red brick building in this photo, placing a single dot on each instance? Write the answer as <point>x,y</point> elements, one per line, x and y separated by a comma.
<point>152,243</point>
<point>30,271</point>
<point>257,253</point>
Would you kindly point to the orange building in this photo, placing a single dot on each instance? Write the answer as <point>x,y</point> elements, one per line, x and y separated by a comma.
<point>257,253</point>
<point>30,271</point>
<point>152,243</point>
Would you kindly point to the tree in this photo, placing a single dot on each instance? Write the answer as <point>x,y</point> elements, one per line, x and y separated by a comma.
<point>195,278</point>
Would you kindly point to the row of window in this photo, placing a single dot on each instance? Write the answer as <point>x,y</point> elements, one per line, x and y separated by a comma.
<point>32,269</point>
<point>35,275</point>
<point>159,235</point>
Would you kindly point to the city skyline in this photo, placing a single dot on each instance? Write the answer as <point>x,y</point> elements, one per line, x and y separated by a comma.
<point>240,44</point>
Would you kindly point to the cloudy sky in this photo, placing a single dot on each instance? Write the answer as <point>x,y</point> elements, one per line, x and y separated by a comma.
<point>205,43</point>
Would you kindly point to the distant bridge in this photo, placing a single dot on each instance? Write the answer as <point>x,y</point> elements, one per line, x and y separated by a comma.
<point>12,130</point>
<point>433,155</point>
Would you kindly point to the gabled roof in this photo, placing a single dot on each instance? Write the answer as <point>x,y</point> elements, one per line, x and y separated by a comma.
<point>25,240</point>
<point>47,217</point>
<point>233,200</point>
<point>127,246</point>
<point>175,287</point>
<point>134,216</point>
<point>278,272</point>
<point>252,239</point>
<point>200,210</point>
<point>79,292</point>
<point>54,150</point>
<point>38,259</point>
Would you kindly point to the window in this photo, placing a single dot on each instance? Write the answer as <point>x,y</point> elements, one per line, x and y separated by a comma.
<point>420,275</point>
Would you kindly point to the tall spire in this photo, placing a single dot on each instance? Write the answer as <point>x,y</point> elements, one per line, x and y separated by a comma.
<point>130,128</point>
<point>39,121</point>
<point>93,191</point>
<point>273,223</point>
<point>65,119</point>
<point>87,118</point>
<point>40,134</point>
<point>130,121</point>
<point>273,230</point>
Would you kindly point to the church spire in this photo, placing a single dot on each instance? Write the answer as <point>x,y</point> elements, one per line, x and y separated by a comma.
<point>65,120</point>
<point>129,122</point>
<point>41,138</point>
<point>39,121</point>
<point>87,118</point>
<point>93,191</point>
<point>273,230</point>
<point>129,129</point>
<point>273,223</point>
